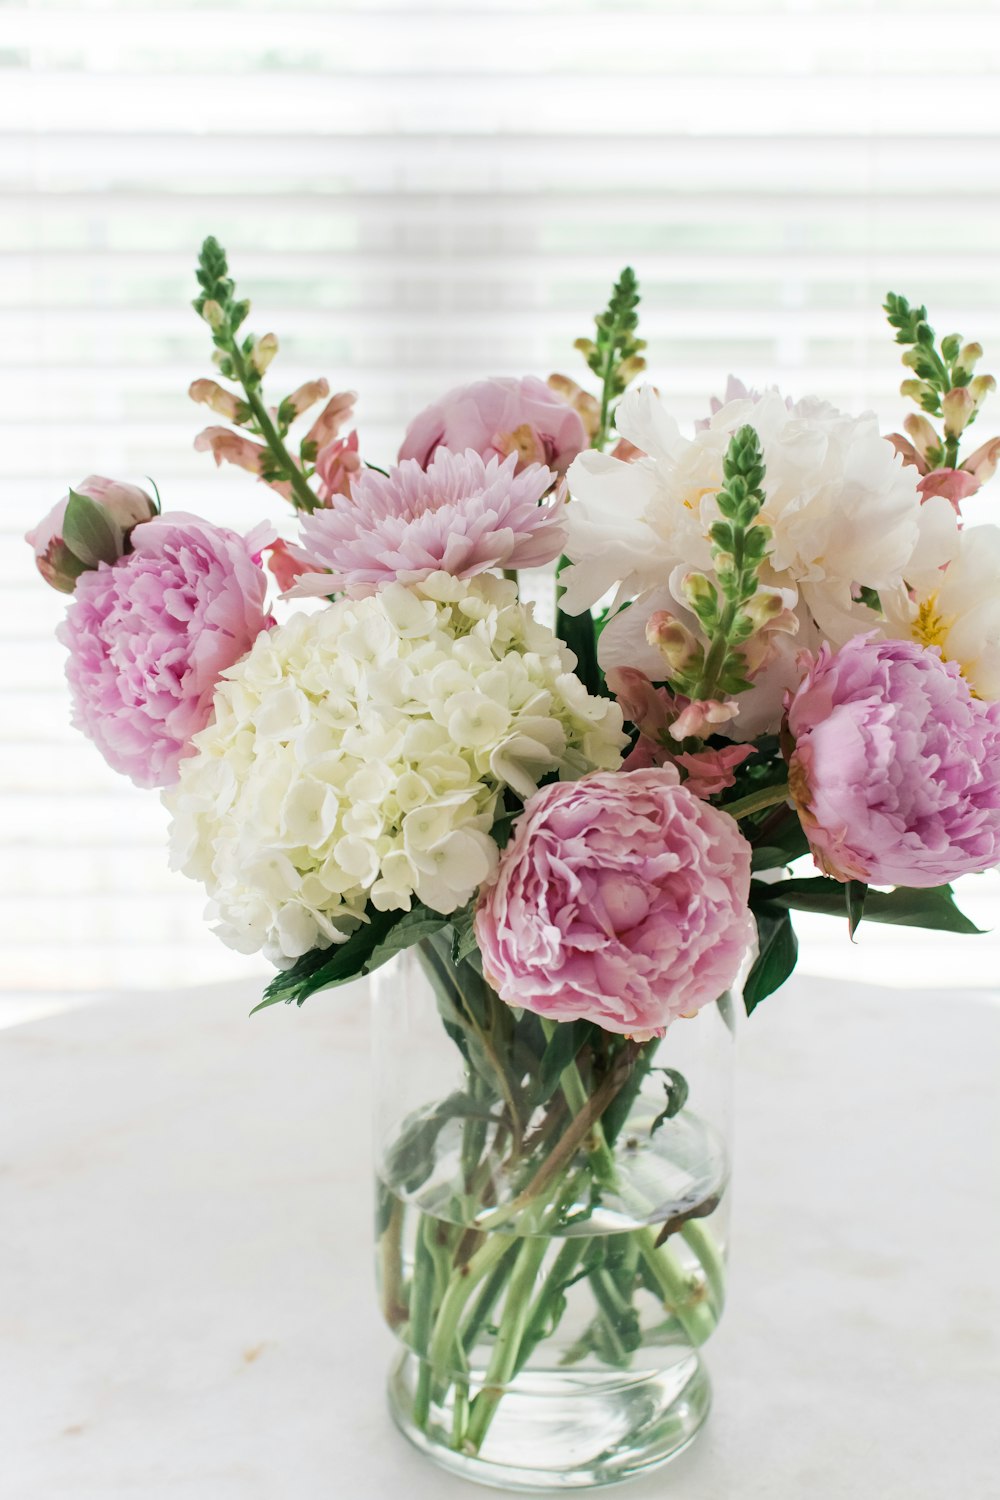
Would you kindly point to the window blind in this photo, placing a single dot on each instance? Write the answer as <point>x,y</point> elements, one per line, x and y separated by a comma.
<point>414,194</point>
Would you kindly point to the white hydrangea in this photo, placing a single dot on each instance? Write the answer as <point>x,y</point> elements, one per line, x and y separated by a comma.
<point>842,508</point>
<point>359,753</point>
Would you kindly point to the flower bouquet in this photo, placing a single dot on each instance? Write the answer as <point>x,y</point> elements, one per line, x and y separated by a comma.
<point>550,711</point>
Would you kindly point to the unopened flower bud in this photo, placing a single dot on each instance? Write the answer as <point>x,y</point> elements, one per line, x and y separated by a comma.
<point>67,545</point>
<point>210,393</point>
<point>980,387</point>
<point>958,407</point>
<point>630,368</point>
<point>331,419</point>
<point>915,390</point>
<point>264,351</point>
<point>307,395</point>
<point>672,639</point>
<point>968,357</point>
<point>698,590</point>
<point>213,314</point>
<point>587,347</point>
<point>922,434</point>
<point>586,406</point>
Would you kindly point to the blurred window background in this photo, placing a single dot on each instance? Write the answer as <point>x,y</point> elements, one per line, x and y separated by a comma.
<point>415,194</point>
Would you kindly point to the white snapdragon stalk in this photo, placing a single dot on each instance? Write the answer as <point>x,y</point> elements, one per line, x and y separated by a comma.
<point>358,755</point>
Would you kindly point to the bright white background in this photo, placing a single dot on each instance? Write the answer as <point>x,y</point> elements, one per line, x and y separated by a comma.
<point>415,194</point>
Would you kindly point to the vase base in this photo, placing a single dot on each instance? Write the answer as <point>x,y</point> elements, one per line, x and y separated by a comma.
<point>555,1430</point>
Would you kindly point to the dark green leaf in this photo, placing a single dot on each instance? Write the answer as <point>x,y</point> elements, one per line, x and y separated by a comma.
<point>323,968</point>
<point>676,1086</point>
<point>578,633</point>
<point>932,908</point>
<point>855,892</point>
<point>777,955</point>
<point>89,532</point>
<point>412,927</point>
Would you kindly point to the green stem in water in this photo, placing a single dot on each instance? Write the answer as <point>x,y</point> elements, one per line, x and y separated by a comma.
<point>513,1323</point>
<point>421,1319</point>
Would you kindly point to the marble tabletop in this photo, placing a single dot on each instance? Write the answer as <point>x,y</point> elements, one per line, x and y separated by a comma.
<point>187,1309</point>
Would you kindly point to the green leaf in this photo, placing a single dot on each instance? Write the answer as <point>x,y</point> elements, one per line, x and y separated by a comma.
<point>89,532</point>
<point>933,908</point>
<point>562,1047</point>
<point>777,955</point>
<point>322,968</point>
<point>855,892</point>
<point>676,1086</point>
<point>412,927</point>
<point>464,944</point>
<point>579,634</point>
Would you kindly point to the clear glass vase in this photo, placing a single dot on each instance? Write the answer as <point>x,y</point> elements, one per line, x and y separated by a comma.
<point>551,1227</point>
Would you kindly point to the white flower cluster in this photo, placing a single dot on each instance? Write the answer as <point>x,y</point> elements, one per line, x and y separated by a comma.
<point>359,753</point>
<point>842,508</point>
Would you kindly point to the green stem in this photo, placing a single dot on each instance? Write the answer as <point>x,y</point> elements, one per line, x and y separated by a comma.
<point>421,1318</point>
<point>304,497</point>
<point>462,1284</point>
<point>701,1241</point>
<point>768,796</point>
<point>513,1323</point>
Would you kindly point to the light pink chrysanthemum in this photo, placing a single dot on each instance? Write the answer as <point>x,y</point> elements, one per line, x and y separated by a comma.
<point>459,516</point>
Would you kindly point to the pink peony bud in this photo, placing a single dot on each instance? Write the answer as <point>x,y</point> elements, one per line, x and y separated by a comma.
<point>61,560</point>
<point>484,416</point>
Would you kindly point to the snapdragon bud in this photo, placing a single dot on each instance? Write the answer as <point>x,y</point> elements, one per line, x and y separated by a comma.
<point>921,434</point>
<point>673,640</point>
<point>980,388</point>
<point>968,357</point>
<point>210,393</point>
<point>307,395</point>
<point>264,351</point>
<point>958,407</point>
<point>213,314</point>
<point>915,390</point>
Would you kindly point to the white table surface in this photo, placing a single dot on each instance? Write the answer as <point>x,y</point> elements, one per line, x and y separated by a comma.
<point>187,1310</point>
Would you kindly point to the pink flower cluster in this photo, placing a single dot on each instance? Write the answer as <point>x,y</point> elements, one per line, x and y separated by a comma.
<point>149,638</point>
<point>621,900</point>
<point>896,766</point>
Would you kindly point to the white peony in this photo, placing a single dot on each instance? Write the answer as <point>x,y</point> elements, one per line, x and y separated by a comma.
<point>359,753</point>
<point>957,607</point>
<point>842,508</point>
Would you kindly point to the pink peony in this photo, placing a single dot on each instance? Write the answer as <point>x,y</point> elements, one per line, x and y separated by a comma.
<point>620,899</point>
<point>498,417</point>
<point>896,766</point>
<point>125,506</point>
<point>149,637</point>
<point>461,516</point>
